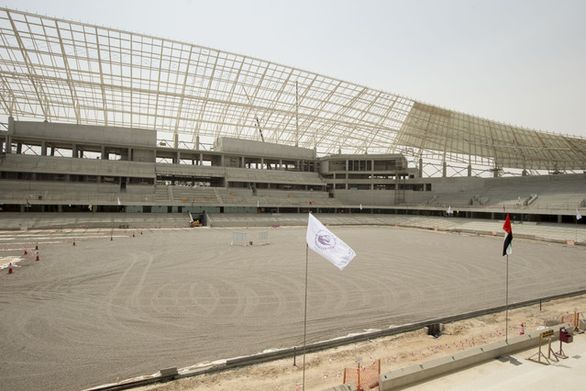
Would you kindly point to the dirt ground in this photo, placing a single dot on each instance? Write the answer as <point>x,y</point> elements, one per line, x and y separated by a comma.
<point>121,304</point>
<point>325,369</point>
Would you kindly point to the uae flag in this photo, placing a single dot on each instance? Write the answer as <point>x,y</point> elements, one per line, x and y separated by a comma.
<point>508,245</point>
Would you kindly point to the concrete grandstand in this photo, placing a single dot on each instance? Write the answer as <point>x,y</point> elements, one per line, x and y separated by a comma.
<point>103,120</point>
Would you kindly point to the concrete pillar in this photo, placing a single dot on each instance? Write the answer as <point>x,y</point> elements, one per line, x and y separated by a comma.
<point>197,142</point>
<point>104,153</point>
<point>19,148</point>
<point>60,208</point>
<point>52,151</point>
<point>420,168</point>
<point>175,140</point>
<point>559,218</point>
<point>242,162</point>
<point>8,146</point>
<point>492,215</point>
<point>74,151</point>
<point>201,159</point>
<point>8,142</point>
<point>280,164</point>
<point>444,169</point>
<point>469,170</point>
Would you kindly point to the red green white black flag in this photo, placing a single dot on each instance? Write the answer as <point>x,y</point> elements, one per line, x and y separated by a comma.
<point>508,245</point>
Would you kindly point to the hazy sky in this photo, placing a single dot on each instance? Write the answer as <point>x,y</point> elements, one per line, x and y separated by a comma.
<point>522,62</point>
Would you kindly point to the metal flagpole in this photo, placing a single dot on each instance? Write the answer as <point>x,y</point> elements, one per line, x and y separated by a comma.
<point>305,312</point>
<point>507,305</point>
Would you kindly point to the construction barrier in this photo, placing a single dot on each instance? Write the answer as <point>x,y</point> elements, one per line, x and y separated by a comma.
<point>573,320</point>
<point>364,378</point>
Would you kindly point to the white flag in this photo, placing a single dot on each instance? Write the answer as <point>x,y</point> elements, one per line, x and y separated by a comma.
<point>360,206</point>
<point>578,215</point>
<point>328,245</point>
<point>450,211</point>
<point>118,199</point>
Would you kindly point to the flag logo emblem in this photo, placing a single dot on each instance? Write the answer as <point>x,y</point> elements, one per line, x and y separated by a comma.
<point>325,240</point>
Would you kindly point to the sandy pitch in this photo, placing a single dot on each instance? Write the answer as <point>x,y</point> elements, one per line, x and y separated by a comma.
<point>109,310</point>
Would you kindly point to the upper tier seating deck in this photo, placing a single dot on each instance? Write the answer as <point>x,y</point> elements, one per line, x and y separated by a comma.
<point>273,176</point>
<point>554,192</point>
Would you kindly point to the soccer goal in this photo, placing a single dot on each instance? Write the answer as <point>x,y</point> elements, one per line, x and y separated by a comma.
<point>258,238</point>
<point>239,239</point>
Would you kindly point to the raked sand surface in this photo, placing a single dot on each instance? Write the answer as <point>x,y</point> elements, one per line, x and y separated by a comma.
<point>106,310</point>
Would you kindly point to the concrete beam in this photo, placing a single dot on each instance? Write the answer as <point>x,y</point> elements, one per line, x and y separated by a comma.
<point>407,376</point>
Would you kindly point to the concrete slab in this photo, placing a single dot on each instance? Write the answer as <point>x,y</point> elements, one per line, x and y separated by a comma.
<point>516,372</point>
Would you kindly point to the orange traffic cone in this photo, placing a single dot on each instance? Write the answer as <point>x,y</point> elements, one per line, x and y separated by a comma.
<point>10,268</point>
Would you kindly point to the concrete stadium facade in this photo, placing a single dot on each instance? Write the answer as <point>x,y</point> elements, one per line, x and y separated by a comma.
<point>91,127</point>
<point>49,167</point>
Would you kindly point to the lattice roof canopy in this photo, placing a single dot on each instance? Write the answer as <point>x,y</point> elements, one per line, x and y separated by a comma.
<point>65,71</point>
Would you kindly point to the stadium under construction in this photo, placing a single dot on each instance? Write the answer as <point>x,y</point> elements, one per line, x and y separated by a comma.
<point>103,120</point>
<point>114,143</point>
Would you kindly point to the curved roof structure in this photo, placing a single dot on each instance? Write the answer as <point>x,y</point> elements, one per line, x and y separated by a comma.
<point>65,71</point>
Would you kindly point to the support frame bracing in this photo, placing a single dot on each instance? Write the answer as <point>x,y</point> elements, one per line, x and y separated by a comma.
<point>66,71</point>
